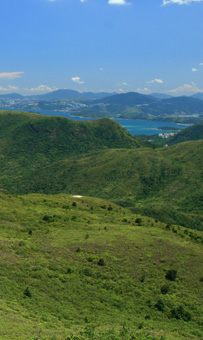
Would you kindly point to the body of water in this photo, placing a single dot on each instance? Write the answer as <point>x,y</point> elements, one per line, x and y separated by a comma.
<point>135,127</point>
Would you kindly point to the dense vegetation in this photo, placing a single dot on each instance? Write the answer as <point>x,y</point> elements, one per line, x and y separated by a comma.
<point>85,268</point>
<point>100,158</point>
<point>194,132</point>
<point>75,267</point>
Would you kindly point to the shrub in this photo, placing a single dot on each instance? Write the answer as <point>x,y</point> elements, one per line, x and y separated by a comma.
<point>138,220</point>
<point>171,275</point>
<point>101,262</point>
<point>74,204</point>
<point>87,272</point>
<point>165,289</point>
<point>180,313</point>
<point>160,305</point>
<point>27,292</point>
<point>47,218</point>
<point>69,270</point>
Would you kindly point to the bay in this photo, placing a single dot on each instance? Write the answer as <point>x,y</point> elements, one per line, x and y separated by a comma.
<point>134,126</point>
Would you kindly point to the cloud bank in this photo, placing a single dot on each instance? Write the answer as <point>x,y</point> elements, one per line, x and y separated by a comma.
<point>42,88</point>
<point>10,75</point>
<point>9,88</point>
<point>186,89</point>
<point>179,2</point>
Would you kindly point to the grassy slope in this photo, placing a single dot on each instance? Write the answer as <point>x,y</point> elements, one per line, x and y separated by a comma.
<point>54,154</point>
<point>70,292</point>
<point>163,183</point>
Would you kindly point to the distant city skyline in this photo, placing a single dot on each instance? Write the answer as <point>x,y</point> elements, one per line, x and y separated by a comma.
<point>102,45</point>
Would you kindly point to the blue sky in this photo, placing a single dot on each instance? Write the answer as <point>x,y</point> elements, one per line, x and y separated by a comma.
<point>101,45</point>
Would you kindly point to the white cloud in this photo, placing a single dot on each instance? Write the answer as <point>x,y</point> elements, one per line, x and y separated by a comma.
<point>186,89</point>
<point>10,75</point>
<point>194,69</point>
<point>125,84</point>
<point>77,80</point>
<point>143,91</point>
<point>179,2</point>
<point>9,88</point>
<point>83,0</point>
<point>101,69</point>
<point>41,88</point>
<point>156,80</point>
<point>201,64</point>
<point>118,2</point>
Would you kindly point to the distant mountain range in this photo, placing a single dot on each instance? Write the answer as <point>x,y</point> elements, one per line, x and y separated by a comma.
<point>129,98</point>
<point>160,95</point>
<point>198,95</point>
<point>11,96</point>
<point>61,94</point>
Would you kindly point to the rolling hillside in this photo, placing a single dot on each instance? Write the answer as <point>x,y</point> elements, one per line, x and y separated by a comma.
<point>83,268</point>
<point>99,158</point>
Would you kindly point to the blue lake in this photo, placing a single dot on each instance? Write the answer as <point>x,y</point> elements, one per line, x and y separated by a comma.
<point>135,127</point>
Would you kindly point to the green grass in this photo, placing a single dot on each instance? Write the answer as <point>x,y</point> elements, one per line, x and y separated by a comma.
<point>87,267</point>
<point>99,158</point>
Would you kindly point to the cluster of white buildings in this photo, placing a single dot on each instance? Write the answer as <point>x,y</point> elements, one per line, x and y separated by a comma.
<point>166,134</point>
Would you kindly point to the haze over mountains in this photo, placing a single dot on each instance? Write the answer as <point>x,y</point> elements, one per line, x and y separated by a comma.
<point>71,94</point>
<point>130,105</point>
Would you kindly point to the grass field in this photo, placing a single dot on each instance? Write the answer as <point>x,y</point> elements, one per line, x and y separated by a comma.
<point>85,268</point>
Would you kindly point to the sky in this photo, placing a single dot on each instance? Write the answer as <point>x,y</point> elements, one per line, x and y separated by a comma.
<point>119,46</point>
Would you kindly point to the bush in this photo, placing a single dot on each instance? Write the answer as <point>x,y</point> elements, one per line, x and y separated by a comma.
<point>101,262</point>
<point>160,305</point>
<point>74,204</point>
<point>180,313</point>
<point>164,289</point>
<point>47,218</point>
<point>171,275</point>
<point>27,293</point>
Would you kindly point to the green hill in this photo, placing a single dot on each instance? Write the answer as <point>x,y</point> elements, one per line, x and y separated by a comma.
<point>194,132</point>
<point>84,268</point>
<point>165,184</point>
<point>100,159</point>
<point>129,99</point>
<point>57,137</point>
